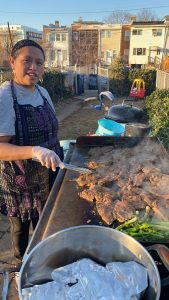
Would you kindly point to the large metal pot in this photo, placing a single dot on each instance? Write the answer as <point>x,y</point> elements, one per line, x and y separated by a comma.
<point>137,129</point>
<point>99,243</point>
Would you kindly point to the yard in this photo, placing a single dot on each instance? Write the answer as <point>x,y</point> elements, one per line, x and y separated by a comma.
<point>84,119</point>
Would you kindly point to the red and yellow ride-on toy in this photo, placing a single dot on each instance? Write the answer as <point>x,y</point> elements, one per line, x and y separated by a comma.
<point>138,89</point>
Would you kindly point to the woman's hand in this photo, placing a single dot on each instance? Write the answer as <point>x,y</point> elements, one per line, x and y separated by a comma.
<point>46,157</point>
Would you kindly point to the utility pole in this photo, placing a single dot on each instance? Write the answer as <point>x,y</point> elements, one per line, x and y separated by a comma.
<point>75,70</point>
<point>1,76</point>
<point>10,35</point>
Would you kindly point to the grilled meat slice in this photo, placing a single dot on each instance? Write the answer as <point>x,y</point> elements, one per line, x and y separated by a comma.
<point>157,177</point>
<point>148,170</point>
<point>161,209</point>
<point>139,178</point>
<point>123,211</point>
<point>123,181</point>
<point>101,191</point>
<point>87,179</point>
<point>105,203</point>
<point>97,192</point>
<point>87,194</point>
<point>134,199</point>
<point>105,181</point>
<point>147,198</point>
<point>105,208</point>
<point>94,165</point>
<point>161,189</point>
<point>159,206</point>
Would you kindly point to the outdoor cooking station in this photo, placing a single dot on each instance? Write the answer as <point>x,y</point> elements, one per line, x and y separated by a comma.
<point>63,208</point>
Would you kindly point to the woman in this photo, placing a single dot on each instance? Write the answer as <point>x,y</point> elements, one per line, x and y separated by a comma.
<point>28,143</point>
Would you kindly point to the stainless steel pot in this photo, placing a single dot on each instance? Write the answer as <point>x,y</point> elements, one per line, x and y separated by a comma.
<point>99,243</point>
<point>137,129</point>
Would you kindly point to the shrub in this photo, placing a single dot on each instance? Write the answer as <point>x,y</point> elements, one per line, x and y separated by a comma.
<point>157,106</point>
<point>119,84</point>
<point>53,81</point>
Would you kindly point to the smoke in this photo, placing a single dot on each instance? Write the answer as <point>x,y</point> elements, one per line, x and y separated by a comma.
<point>145,154</point>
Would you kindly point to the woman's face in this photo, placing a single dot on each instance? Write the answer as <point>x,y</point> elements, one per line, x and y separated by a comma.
<point>28,66</point>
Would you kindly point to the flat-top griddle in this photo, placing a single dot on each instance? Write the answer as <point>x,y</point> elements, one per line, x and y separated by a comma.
<point>64,208</point>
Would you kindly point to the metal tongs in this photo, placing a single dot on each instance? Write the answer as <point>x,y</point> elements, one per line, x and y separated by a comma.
<point>77,169</point>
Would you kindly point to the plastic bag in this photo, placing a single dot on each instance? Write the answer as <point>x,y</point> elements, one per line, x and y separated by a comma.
<point>86,280</point>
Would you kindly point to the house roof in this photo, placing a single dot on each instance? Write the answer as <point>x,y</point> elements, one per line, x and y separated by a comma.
<point>88,22</point>
<point>148,23</point>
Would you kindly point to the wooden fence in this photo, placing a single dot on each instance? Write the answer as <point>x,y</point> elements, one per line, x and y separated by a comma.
<point>162,80</point>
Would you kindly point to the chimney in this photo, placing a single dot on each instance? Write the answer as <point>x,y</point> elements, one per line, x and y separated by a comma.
<point>133,19</point>
<point>56,23</point>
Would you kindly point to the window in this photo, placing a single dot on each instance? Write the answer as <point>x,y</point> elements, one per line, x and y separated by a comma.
<point>75,36</point>
<point>58,37</point>
<point>114,54</point>
<point>51,37</point>
<point>127,35</point>
<point>139,51</point>
<point>103,33</point>
<point>158,51</point>
<point>137,32</point>
<point>156,32</point>
<point>108,33</point>
<point>108,57</point>
<point>108,54</point>
<point>63,37</point>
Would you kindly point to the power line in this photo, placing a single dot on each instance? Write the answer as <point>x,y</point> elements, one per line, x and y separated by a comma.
<point>81,12</point>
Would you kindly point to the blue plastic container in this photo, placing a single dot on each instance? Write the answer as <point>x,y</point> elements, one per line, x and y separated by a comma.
<point>110,127</point>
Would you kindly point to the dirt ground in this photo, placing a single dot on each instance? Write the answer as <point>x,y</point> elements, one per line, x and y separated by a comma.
<point>84,119</point>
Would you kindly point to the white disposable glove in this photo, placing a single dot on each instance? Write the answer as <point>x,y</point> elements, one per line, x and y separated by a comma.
<point>46,157</point>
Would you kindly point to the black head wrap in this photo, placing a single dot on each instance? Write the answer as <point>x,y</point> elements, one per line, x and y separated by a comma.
<point>25,43</point>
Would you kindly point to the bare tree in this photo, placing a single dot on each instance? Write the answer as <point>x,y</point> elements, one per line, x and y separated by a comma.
<point>147,14</point>
<point>123,17</point>
<point>118,17</point>
<point>7,40</point>
<point>85,48</point>
<point>5,50</point>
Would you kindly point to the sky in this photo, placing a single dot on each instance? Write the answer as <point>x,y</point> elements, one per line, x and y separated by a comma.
<point>36,13</point>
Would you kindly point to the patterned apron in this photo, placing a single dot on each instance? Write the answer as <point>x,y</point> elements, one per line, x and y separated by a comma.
<point>24,184</point>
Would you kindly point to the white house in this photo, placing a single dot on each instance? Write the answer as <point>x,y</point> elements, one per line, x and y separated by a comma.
<point>148,42</point>
<point>58,49</point>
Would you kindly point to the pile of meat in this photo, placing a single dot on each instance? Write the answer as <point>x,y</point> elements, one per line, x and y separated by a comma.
<point>127,180</point>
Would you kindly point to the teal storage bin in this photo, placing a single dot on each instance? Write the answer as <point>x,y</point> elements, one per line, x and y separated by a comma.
<point>110,127</point>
